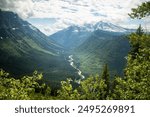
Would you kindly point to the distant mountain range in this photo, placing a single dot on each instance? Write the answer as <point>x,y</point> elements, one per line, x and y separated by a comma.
<point>23,49</point>
<point>75,35</point>
<point>94,45</point>
<point>105,26</point>
<point>70,37</point>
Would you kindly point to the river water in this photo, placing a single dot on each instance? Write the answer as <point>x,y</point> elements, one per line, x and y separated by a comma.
<point>71,61</point>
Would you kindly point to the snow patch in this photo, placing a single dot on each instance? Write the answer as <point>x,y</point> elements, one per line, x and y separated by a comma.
<point>102,26</point>
<point>90,30</point>
<point>33,28</point>
<point>75,31</point>
<point>24,25</point>
<point>15,28</point>
<point>109,27</point>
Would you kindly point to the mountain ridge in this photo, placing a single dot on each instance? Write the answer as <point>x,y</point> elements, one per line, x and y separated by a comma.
<point>75,35</point>
<point>101,25</point>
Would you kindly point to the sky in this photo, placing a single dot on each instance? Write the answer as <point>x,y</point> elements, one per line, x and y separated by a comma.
<point>51,16</point>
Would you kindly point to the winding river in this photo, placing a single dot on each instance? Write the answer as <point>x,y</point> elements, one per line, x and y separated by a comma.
<point>71,61</point>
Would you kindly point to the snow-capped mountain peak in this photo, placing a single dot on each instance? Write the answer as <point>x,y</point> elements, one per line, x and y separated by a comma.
<point>109,27</point>
<point>98,26</point>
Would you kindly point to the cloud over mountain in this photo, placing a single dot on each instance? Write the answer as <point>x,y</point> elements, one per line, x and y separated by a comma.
<point>68,12</point>
<point>23,7</point>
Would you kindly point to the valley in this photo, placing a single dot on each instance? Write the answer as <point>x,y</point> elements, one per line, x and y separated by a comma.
<point>75,52</point>
<point>93,46</point>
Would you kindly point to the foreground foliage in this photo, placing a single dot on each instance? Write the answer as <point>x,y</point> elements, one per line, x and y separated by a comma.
<point>28,87</point>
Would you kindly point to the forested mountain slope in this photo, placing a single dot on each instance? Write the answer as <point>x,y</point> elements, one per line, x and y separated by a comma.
<point>23,49</point>
<point>101,48</point>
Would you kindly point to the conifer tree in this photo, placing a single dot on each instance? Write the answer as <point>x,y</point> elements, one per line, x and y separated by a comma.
<point>106,77</point>
<point>140,31</point>
<point>141,11</point>
<point>135,41</point>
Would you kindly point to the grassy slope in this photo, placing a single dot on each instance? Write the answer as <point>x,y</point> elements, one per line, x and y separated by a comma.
<point>102,48</point>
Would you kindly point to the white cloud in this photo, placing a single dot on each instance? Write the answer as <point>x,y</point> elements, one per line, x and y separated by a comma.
<point>69,12</point>
<point>23,7</point>
<point>50,29</point>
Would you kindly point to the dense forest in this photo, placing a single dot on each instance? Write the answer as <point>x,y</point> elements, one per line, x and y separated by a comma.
<point>135,83</point>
